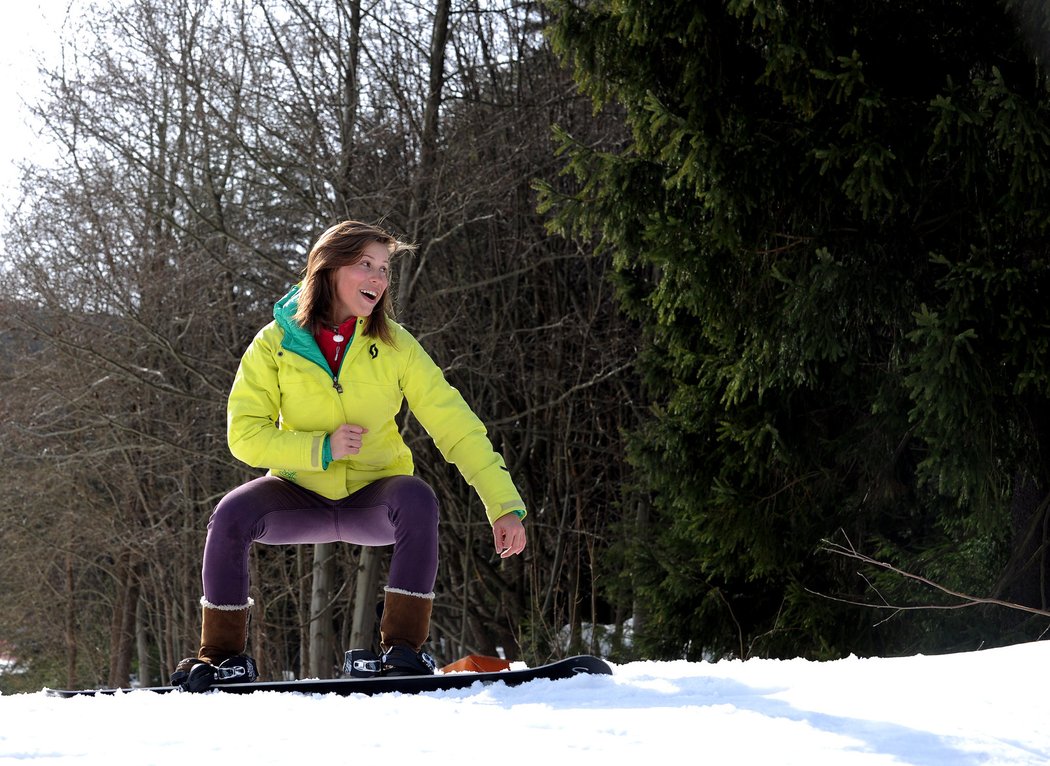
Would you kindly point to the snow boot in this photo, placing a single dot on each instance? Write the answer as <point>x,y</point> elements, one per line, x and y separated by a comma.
<point>224,636</point>
<point>403,629</point>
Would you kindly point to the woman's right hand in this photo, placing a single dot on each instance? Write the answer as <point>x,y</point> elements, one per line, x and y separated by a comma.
<point>346,440</point>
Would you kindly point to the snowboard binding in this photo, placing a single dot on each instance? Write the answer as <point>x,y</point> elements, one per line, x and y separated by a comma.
<point>397,661</point>
<point>202,676</point>
<point>362,663</point>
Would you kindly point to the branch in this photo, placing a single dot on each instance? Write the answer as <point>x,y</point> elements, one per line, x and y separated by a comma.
<point>964,599</point>
<point>566,394</point>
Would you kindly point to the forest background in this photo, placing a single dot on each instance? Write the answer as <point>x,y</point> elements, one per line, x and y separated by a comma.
<point>751,295</point>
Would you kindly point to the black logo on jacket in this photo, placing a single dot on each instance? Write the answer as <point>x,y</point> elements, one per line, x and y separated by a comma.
<point>373,351</point>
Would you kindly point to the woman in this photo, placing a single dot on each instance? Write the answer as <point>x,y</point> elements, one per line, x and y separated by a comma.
<point>314,401</point>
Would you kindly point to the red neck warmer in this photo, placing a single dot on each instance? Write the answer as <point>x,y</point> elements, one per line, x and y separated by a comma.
<point>333,349</point>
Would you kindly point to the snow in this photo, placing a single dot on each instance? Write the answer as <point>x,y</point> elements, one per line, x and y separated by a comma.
<point>988,707</point>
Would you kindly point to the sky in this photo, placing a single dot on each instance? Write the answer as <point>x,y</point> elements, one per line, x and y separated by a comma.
<point>30,31</point>
<point>987,708</point>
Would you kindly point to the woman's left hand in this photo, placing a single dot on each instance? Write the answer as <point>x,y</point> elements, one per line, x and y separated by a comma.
<point>508,533</point>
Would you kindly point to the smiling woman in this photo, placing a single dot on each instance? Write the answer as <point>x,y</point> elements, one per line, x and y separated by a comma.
<point>311,407</point>
<point>360,286</point>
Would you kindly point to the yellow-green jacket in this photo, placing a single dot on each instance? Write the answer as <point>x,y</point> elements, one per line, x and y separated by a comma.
<point>285,401</point>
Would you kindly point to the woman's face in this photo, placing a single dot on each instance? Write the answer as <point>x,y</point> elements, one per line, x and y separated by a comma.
<point>359,286</point>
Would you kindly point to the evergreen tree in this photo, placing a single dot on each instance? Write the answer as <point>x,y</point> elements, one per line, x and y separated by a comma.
<point>831,219</point>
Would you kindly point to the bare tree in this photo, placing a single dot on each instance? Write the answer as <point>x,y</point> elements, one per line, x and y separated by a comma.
<point>204,145</point>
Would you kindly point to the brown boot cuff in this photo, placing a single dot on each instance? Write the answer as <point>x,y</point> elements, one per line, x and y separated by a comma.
<point>224,633</point>
<point>406,619</point>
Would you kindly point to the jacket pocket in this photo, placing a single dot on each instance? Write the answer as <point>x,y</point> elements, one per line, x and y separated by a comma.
<point>383,452</point>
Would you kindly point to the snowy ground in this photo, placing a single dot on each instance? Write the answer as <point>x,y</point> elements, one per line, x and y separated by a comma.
<point>988,707</point>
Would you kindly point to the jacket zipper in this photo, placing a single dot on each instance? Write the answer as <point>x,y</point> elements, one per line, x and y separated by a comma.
<point>339,365</point>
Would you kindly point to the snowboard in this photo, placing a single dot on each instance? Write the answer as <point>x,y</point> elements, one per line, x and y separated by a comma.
<point>554,671</point>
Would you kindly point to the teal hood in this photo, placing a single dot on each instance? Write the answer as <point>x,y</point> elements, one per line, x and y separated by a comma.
<point>297,338</point>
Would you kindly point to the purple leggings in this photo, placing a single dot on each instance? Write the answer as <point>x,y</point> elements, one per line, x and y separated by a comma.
<point>399,510</point>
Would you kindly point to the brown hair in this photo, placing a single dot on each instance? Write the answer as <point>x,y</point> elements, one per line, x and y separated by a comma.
<point>343,245</point>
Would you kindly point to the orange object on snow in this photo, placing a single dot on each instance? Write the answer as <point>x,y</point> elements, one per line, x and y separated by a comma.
<point>477,663</point>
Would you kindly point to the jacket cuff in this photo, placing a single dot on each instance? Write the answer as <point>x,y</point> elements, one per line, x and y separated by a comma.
<point>517,508</point>
<point>326,452</point>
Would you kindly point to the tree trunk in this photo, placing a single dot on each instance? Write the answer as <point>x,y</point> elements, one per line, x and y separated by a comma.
<point>348,115</point>
<point>322,637</point>
<point>1023,580</point>
<point>639,606</point>
<point>71,626</point>
<point>122,626</point>
<point>142,644</point>
<point>411,264</point>
<point>362,628</point>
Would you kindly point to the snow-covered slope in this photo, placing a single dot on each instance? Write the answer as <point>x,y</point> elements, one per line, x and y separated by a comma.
<point>990,707</point>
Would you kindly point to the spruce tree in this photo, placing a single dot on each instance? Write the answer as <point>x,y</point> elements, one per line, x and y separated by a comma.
<point>831,221</point>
